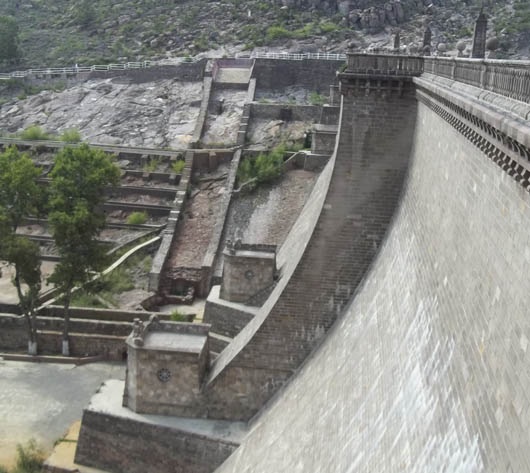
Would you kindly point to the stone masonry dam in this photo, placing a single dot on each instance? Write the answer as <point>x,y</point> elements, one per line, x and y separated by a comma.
<point>427,367</point>
<point>397,337</point>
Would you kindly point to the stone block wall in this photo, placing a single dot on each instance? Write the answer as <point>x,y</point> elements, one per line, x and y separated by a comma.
<point>226,318</point>
<point>366,182</point>
<point>247,272</point>
<point>87,337</point>
<point>147,394</point>
<point>428,368</point>
<point>186,71</point>
<point>128,443</point>
<point>287,112</point>
<point>311,74</point>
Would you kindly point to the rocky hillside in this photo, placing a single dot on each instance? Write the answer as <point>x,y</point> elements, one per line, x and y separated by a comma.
<point>65,32</point>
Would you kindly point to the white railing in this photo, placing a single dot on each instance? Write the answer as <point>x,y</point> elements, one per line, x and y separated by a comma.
<point>301,56</point>
<point>57,71</point>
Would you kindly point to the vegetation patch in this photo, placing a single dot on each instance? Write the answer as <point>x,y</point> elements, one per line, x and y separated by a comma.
<point>34,133</point>
<point>177,316</point>
<point>102,292</point>
<point>30,459</point>
<point>317,99</point>
<point>152,165</point>
<point>264,168</point>
<point>137,218</point>
<point>71,136</point>
<point>178,166</point>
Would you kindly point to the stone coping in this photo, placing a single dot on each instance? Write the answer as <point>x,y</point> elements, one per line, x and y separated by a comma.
<point>506,115</point>
<point>177,342</point>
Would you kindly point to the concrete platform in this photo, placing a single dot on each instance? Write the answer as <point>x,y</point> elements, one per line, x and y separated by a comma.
<point>41,400</point>
<point>114,437</point>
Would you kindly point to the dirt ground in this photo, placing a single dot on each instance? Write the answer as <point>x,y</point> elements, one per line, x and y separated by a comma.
<point>200,216</point>
<point>267,214</point>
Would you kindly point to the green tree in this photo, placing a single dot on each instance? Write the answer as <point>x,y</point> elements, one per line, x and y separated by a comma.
<point>79,178</point>
<point>9,42</point>
<point>24,255</point>
<point>20,196</point>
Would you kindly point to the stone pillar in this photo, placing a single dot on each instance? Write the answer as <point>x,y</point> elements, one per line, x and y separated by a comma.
<point>166,366</point>
<point>479,37</point>
<point>248,270</point>
<point>397,41</point>
<point>427,36</point>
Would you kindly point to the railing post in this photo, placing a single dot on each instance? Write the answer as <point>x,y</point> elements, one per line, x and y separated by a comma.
<point>483,71</point>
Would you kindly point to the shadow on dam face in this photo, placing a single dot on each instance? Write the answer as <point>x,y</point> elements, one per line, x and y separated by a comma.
<point>426,370</point>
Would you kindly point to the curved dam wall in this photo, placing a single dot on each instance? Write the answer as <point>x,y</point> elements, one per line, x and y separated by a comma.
<point>329,251</point>
<point>427,370</point>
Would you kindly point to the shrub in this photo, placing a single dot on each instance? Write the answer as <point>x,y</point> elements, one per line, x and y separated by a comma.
<point>316,99</point>
<point>151,165</point>
<point>137,218</point>
<point>29,458</point>
<point>264,168</point>
<point>277,32</point>
<point>307,31</point>
<point>177,316</point>
<point>118,280</point>
<point>71,136</point>
<point>178,166</point>
<point>34,132</point>
<point>328,27</point>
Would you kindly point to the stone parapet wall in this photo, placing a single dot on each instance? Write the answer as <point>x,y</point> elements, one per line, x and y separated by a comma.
<point>507,78</point>
<point>312,74</point>
<point>87,337</point>
<point>207,85</point>
<point>113,315</point>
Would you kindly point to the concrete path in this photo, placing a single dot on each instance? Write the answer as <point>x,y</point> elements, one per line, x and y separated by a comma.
<point>233,75</point>
<point>41,400</point>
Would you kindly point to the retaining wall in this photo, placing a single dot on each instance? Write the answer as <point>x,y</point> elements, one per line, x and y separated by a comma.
<point>287,112</point>
<point>116,439</point>
<point>226,318</point>
<point>184,72</point>
<point>311,74</point>
<point>87,337</point>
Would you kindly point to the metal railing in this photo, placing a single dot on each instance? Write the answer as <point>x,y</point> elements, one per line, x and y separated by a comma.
<point>508,78</point>
<point>301,56</point>
<point>58,71</point>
